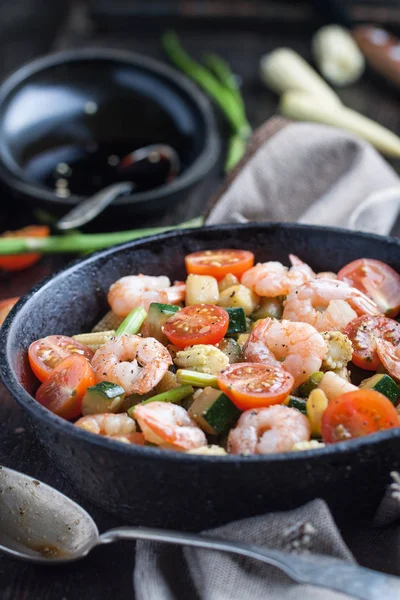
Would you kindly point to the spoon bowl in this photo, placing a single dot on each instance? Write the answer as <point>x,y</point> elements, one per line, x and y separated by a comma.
<point>39,524</point>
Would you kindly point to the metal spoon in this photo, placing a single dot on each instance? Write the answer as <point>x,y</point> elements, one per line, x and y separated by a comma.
<point>41,525</point>
<point>91,207</point>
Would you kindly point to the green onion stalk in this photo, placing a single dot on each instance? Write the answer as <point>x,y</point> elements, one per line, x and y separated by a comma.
<point>83,242</point>
<point>218,81</point>
<point>195,378</point>
<point>173,396</point>
<point>132,322</point>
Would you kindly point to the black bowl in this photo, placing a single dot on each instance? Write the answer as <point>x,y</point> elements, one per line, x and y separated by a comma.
<point>89,104</point>
<point>162,488</point>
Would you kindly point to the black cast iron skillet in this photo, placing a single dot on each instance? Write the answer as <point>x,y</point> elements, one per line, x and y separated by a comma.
<point>94,102</point>
<point>151,487</point>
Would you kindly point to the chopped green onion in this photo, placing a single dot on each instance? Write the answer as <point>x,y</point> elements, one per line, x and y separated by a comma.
<point>185,376</point>
<point>173,396</point>
<point>133,322</point>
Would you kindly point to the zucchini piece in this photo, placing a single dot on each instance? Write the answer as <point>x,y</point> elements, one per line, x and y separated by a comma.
<point>156,317</point>
<point>237,320</point>
<point>232,350</point>
<point>104,397</point>
<point>384,384</point>
<point>311,384</point>
<point>269,307</point>
<point>213,411</point>
<point>295,402</point>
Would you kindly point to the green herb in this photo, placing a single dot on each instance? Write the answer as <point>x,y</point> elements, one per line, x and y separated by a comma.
<point>83,242</point>
<point>133,322</point>
<point>173,396</point>
<point>217,79</point>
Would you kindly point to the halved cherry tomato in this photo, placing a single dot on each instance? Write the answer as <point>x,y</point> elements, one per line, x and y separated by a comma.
<point>197,324</point>
<point>5,307</point>
<point>63,390</point>
<point>363,333</point>
<point>254,385</point>
<point>18,262</point>
<point>356,414</point>
<point>389,355</point>
<point>219,263</point>
<point>376,279</point>
<point>45,354</point>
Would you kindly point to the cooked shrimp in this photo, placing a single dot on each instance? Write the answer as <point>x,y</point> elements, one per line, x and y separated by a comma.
<point>298,347</point>
<point>326,275</point>
<point>327,304</point>
<point>274,279</point>
<point>137,364</point>
<point>169,426</point>
<point>141,290</point>
<point>108,424</point>
<point>268,430</point>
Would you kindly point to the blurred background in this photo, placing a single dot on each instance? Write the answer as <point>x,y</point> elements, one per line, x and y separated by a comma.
<point>239,31</point>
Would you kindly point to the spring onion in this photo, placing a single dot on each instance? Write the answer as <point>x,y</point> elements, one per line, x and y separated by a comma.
<point>83,242</point>
<point>173,396</point>
<point>218,81</point>
<point>133,322</point>
<point>304,107</point>
<point>185,376</point>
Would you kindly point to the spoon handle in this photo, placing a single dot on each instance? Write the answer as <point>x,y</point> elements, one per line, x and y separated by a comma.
<point>91,207</point>
<point>321,571</point>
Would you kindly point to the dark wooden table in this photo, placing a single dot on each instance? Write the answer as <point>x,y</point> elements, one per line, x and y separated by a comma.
<point>107,573</point>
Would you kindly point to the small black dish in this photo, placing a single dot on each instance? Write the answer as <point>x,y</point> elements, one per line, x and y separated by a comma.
<point>73,113</point>
<point>152,487</point>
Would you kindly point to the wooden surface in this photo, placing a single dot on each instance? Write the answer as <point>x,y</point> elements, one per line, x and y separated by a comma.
<point>107,573</point>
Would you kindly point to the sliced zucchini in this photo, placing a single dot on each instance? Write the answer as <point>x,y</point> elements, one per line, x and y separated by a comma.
<point>104,397</point>
<point>232,350</point>
<point>156,317</point>
<point>311,384</point>
<point>269,307</point>
<point>213,411</point>
<point>384,384</point>
<point>295,402</point>
<point>237,320</point>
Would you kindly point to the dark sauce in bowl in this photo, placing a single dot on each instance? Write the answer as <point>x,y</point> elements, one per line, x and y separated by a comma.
<point>83,170</point>
<point>67,126</point>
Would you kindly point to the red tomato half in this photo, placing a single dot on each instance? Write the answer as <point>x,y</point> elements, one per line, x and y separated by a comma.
<point>219,263</point>
<point>18,262</point>
<point>197,324</point>
<point>363,333</point>
<point>254,385</point>
<point>47,353</point>
<point>5,307</point>
<point>357,414</point>
<point>376,279</point>
<point>63,390</point>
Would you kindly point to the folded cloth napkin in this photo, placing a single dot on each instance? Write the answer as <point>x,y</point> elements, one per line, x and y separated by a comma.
<point>173,573</point>
<point>310,174</point>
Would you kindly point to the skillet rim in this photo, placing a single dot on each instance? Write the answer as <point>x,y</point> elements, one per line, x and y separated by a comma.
<point>30,405</point>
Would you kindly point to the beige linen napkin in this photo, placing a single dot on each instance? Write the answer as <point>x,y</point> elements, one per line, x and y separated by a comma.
<point>165,572</point>
<point>311,174</point>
